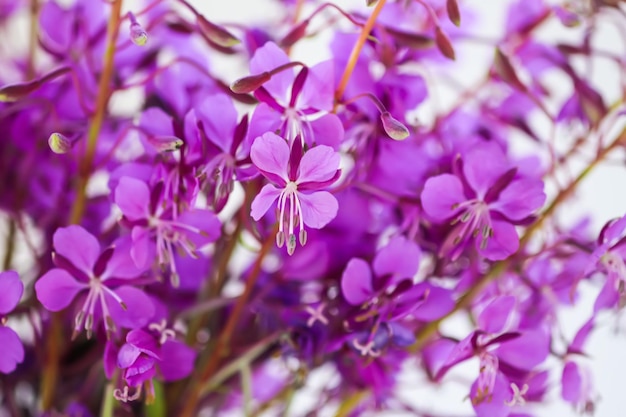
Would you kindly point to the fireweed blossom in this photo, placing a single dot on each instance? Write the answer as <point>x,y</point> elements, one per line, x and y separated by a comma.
<point>299,179</point>
<point>81,266</point>
<point>155,229</point>
<point>148,353</point>
<point>11,289</point>
<point>485,199</point>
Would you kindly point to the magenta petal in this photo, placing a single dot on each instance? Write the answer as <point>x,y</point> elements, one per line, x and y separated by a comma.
<point>482,166</point>
<point>495,405</point>
<point>263,201</point>
<point>502,244</point>
<point>400,259</point>
<point>438,303</point>
<point>56,289</point>
<point>203,220</point>
<point>144,341</point>
<point>520,199</point>
<point>318,208</point>
<point>318,164</point>
<point>327,130</point>
<point>573,384</point>
<point>356,282</point>
<point>139,307</point>
<point>12,350</point>
<point>121,264</point>
<point>440,196</point>
<point>77,245</point>
<point>527,351</point>
<point>141,371</point>
<point>607,297</point>
<point>219,118</point>
<point>127,355</point>
<point>267,58</point>
<point>494,318</point>
<point>435,354</point>
<point>178,360</point>
<point>143,250</point>
<point>318,91</point>
<point>109,359</point>
<point>133,198</point>
<point>270,153</point>
<point>11,289</point>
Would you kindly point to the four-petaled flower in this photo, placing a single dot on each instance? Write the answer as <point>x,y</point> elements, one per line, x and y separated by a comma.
<point>299,177</point>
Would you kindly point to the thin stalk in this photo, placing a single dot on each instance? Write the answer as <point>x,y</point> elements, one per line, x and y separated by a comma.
<point>54,341</point>
<point>356,50</point>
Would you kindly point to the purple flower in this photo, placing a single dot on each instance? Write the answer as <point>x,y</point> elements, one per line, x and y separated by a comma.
<point>485,199</point>
<point>148,353</point>
<point>82,266</point>
<point>11,289</point>
<point>154,223</point>
<point>299,179</point>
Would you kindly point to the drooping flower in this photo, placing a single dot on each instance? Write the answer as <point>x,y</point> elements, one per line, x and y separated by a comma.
<point>299,179</point>
<point>11,289</point>
<point>485,199</point>
<point>82,266</point>
<point>146,355</point>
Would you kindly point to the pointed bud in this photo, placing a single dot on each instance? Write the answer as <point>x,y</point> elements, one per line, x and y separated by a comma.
<point>393,127</point>
<point>60,143</point>
<point>216,34</point>
<point>165,143</point>
<point>453,12</point>
<point>138,35</point>
<point>295,34</point>
<point>250,83</point>
<point>370,2</point>
<point>14,92</point>
<point>410,40</point>
<point>444,44</point>
<point>505,70</point>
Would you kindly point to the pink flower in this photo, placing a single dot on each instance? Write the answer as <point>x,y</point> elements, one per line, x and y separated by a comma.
<point>298,179</point>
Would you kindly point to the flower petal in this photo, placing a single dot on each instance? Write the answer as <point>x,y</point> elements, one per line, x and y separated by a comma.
<point>56,289</point>
<point>267,58</point>
<point>502,244</point>
<point>326,130</point>
<point>440,195</point>
<point>121,264</point>
<point>78,246</point>
<point>356,282</point>
<point>318,208</point>
<point>400,258</point>
<point>11,289</point>
<point>263,201</point>
<point>318,164</point>
<point>270,154</point>
<point>494,318</point>
<point>133,198</point>
<point>527,351</point>
<point>219,118</point>
<point>12,350</point>
<point>520,199</point>
<point>139,307</point>
<point>178,360</point>
<point>482,166</point>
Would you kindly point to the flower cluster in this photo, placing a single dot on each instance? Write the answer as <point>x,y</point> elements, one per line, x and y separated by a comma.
<point>189,241</point>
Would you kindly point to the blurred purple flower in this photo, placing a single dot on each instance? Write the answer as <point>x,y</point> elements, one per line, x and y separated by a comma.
<point>11,289</point>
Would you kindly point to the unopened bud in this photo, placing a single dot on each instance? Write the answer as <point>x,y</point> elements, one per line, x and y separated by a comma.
<point>505,70</point>
<point>393,127</point>
<point>137,34</point>
<point>165,143</point>
<point>410,40</point>
<point>295,34</point>
<point>453,12</point>
<point>370,2</point>
<point>250,83</point>
<point>14,92</point>
<point>216,34</point>
<point>60,143</point>
<point>444,44</point>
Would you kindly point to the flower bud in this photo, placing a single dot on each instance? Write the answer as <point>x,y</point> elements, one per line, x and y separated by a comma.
<point>410,40</point>
<point>370,2</point>
<point>250,83</point>
<point>15,92</point>
<point>453,12</point>
<point>393,127</point>
<point>60,143</point>
<point>444,44</point>
<point>138,35</point>
<point>216,34</point>
<point>505,70</point>
<point>295,34</point>
<point>165,143</point>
